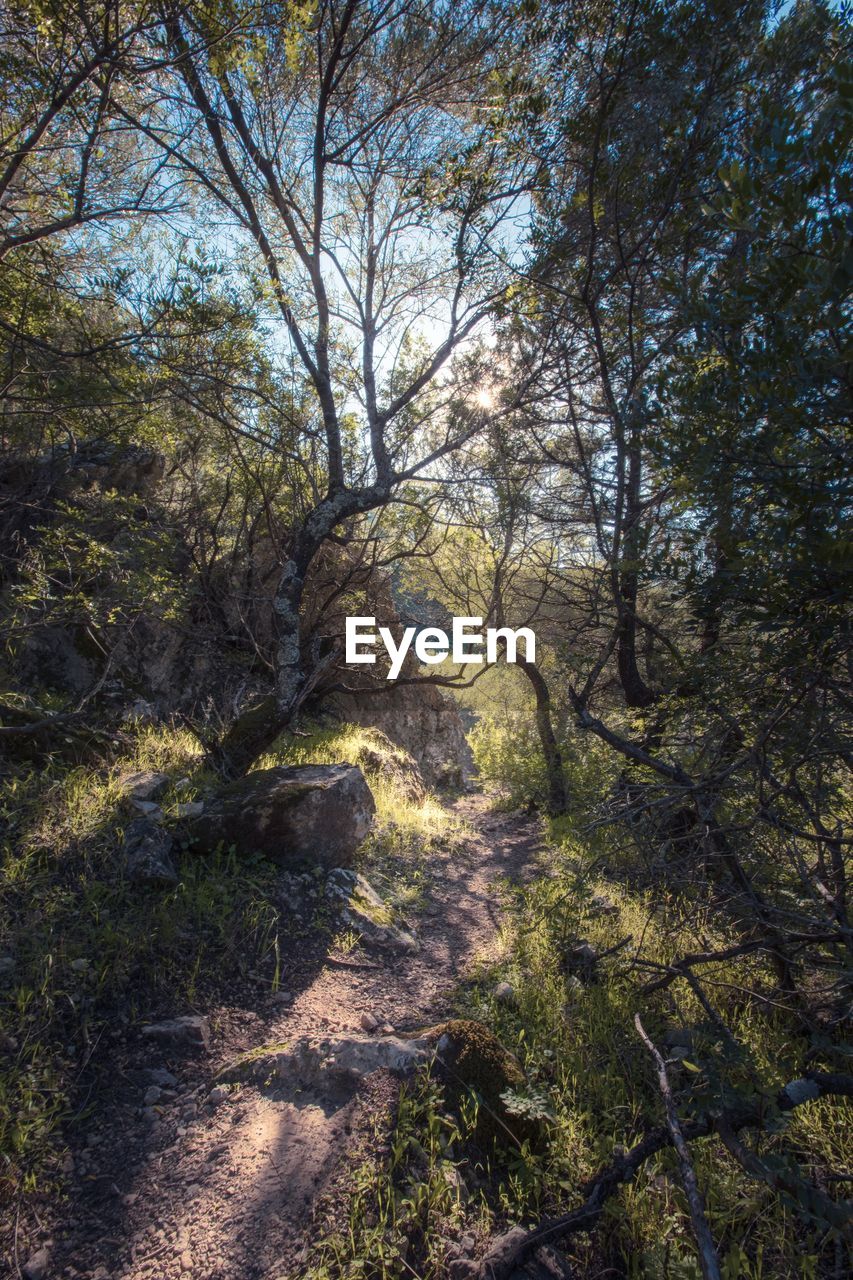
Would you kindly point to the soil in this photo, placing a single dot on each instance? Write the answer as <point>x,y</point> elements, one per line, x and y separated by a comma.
<point>225,1188</point>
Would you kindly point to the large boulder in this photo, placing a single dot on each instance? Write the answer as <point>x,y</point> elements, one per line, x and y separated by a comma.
<point>299,813</point>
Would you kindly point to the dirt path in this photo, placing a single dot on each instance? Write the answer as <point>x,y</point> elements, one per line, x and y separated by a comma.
<point>224,1188</point>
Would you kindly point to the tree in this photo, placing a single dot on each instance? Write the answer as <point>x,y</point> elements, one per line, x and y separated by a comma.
<point>69,159</point>
<point>348,164</point>
<point>636,106</point>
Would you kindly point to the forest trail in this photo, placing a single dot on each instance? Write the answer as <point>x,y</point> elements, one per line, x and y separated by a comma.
<point>228,1189</point>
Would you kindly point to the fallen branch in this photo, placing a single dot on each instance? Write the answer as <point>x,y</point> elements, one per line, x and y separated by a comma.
<point>803,1194</point>
<point>708,1259</point>
<point>678,968</point>
<point>32,723</point>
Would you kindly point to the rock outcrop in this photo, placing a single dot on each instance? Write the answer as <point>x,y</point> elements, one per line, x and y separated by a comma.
<point>422,720</point>
<point>318,814</point>
<point>360,908</point>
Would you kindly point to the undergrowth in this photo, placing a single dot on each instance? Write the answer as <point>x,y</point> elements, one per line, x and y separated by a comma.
<point>590,1079</point>
<point>86,952</point>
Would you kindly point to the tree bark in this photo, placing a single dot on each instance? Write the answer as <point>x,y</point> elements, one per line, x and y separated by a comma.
<point>558,791</point>
<point>255,731</point>
<point>637,692</point>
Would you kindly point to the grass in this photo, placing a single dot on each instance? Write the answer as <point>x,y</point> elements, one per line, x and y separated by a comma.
<point>93,953</point>
<point>405,1204</point>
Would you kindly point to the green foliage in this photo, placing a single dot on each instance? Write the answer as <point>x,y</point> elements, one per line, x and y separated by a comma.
<point>507,757</point>
<point>100,564</point>
<point>753,413</point>
<point>589,1079</point>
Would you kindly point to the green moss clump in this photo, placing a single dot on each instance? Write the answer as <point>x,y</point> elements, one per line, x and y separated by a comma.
<point>474,1066</point>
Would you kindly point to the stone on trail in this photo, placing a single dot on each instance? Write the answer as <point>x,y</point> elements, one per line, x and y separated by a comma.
<point>319,1064</point>
<point>35,1268</point>
<point>147,849</point>
<point>296,813</point>
<point>189,1031</point>
<point>162,1077</point>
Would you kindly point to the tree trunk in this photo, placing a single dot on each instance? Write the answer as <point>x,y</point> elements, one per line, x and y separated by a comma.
<point>637,692</point>
<point>254,732</point>
<point>558,791</point>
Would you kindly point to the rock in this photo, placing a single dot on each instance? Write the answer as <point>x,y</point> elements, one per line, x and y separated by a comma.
<point>338,1060</point>
<point>147,849</point>
<point>678,1037</point>
<point>361,908</point>
<point>189,1031</point>
<point>504,993</point>
<point>367,1022</point>
<point>35,1268</point>
<point>282,997</point>
<point>149,809</point>
<point>470,1060</point>
<point>419,718</point>
<point>152,1094</point>
<point>604,906</point>
<point>186,1261</point>
<point>141,711</point>
<point>303,813</point>
<point>190,809</point>
<point>181,784</point>
<point>145,784</point>
<point>162,1077</point>
<point>217,1094</point>
<point>7,966</point>
<point>394,765</point>
<point>581,958</point>
<point>80,965</point>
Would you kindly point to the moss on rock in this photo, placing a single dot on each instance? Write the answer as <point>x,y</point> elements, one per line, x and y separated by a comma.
<point>472,1063</point>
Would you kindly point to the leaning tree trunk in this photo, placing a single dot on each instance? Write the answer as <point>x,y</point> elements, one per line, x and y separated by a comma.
<point>255,731</point>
